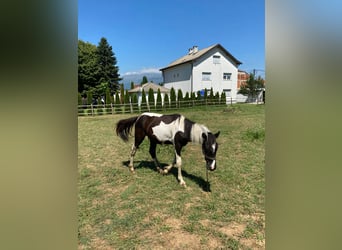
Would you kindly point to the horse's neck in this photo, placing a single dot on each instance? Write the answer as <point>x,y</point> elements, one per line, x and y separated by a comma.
<point>196,132</point>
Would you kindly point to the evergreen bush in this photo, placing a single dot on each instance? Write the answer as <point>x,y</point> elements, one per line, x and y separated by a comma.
<point>151,100</point>
<point>143,105</point>
<point>159,106</point>
<point>166,102</point>
<point>173,98</point>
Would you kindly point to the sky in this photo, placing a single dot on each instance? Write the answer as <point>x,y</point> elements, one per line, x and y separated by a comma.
<point>148,35</point>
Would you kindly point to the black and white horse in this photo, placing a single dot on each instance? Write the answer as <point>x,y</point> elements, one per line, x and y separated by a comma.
<point>169,129</point>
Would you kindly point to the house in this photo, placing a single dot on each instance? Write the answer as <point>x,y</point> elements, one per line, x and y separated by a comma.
<point>146,87</point>
<point>242,79</point>
<point>211,67</point>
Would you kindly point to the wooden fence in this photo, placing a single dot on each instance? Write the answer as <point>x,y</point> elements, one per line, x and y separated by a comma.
<point>103,109</point>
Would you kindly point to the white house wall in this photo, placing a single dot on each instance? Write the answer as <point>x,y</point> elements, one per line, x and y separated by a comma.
<point>179,77</point>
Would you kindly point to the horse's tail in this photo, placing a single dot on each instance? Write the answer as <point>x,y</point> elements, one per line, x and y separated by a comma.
<point>123,127</point>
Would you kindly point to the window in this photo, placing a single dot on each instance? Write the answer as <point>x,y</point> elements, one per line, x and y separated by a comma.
<point>216,59</point>
<point>227,76</point>
<point>206,76</point>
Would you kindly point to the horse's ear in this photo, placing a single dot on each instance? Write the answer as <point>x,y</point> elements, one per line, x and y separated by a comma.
<point>204,136</point>
<point>217,134</point>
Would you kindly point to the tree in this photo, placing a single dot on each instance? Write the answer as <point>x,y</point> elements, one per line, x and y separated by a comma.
<point>252,86</point>
<point>135,102</point>
<point>144,80</point>
<point>87,66</point>
<point>217,98</point>
<point>117,103</point>
<point>127,106</point>
<point>108,71</point>
<point>108,96</point>
<point>132,85</point>
<point>122,94</point>
<point>211,96</point>
<point>159,105</point>
<point>151,99</point>
<point>173,98</point>
<point>166,101</point>
<point>180,97</point>
<point>223,98</point>
<point>187,99</point>
<point>193,98</point>
<point>143,105</point>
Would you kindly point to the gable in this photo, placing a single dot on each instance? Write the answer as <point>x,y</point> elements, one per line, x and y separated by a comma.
<point>197,55</point>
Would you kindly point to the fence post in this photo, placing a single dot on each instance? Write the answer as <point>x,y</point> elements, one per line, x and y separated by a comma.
<point>92,109</point>
<point>111,105</point>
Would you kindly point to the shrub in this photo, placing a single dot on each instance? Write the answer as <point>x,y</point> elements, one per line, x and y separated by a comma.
<point>166,102</point>
<point>159,105</point>
<point>143,105</point>
<point>173,98</point>
<point>151,99</point>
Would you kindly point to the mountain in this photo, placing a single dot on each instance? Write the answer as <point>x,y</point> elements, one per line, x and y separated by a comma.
<point>137,77</point>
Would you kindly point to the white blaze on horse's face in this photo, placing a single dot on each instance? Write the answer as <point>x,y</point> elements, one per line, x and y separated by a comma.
<point>209,148</point>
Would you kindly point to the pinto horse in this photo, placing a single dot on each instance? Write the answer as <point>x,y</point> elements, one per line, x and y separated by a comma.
<point>172,129</point>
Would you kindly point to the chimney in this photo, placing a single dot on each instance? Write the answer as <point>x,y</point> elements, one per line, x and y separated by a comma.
<point>194,49</point>
<point>190,51</point>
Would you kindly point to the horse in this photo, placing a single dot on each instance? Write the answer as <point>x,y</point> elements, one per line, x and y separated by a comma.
<point>172,129</point>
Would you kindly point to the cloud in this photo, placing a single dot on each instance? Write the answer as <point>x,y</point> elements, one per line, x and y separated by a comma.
<point>143,71</point>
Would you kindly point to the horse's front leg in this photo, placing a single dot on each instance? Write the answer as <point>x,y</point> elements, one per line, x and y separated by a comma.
<point>179,166</point>
<point>167,168</point>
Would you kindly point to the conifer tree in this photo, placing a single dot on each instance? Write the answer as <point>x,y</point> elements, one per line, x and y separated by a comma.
<point>108,70</point>
<point>127,106</point>
<point>122,94</point>
<point>151,99</point>
<point>223,98</point>
<point>135,103</point>
<point>186,99</point>
<point>144,80</point>
<point>193,98</point>
<point>173,98</point>
<point>180,97</point>
<point>217,98</point>
<point>117,103</point>
<point>159,106</point>
<point>211,97</point>
<point>166,102</point>
<point>108,99</point>
<point>143,105</point>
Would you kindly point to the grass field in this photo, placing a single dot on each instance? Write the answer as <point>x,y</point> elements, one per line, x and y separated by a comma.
<point>146,210</point>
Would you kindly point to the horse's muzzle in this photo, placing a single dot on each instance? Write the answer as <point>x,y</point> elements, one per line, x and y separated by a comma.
<point>211,165</point>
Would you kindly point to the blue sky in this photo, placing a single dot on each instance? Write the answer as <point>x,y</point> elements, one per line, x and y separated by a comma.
<point>148,35</point>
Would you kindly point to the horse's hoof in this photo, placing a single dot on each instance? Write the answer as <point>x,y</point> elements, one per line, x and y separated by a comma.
<point>183,184</point>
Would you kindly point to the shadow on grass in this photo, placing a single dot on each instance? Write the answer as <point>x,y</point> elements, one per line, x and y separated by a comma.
<point>174,171</point>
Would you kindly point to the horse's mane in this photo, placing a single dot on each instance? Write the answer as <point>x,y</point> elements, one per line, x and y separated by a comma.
<point>196,132</point>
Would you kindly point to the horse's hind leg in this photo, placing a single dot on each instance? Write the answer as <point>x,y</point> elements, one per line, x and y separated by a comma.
<point>131,159</point>
<point>138,139</point>
<point>152,151</point>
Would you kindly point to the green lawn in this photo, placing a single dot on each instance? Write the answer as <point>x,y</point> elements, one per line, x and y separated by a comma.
<point>146,210</point>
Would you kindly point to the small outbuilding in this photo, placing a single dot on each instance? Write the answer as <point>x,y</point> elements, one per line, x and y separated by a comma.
<point>146,87</point>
